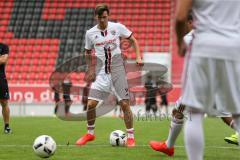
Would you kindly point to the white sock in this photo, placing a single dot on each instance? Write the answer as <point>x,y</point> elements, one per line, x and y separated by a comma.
<point>237,124</point>
<point>175,129</point>
<point>90,129</point>
<point>130,133</point>
<point>193,136</point>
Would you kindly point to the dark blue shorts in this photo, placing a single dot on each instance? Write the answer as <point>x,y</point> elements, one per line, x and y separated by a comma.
<point>4,92</point>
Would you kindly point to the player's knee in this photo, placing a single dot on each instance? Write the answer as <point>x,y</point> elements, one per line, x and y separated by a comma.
<point>68,102</point>
<point>91,104</point>
<point>4,103</point>
<point>125,105</point>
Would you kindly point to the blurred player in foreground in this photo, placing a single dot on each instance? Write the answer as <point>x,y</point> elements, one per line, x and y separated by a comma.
<point>213,67</point>
<point>4,93</point>
<point>104,38</point>
<point>167,146</point>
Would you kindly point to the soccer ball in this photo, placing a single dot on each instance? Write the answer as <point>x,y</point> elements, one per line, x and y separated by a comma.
<point>44,146</point>
<point>118,138</point>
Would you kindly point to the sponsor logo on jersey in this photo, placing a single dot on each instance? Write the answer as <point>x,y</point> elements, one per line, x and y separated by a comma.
<point>106,42</point>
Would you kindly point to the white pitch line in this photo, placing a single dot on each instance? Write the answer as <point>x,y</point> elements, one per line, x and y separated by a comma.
<point>105,145</point>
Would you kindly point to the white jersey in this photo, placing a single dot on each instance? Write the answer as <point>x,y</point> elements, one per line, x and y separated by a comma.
<point>106,43</point>
<point>188,38</point>
<point>217,29</point>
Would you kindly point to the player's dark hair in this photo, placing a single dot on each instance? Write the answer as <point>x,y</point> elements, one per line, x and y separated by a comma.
<point>100,8</point>
<point>190,17</point>
<point>4,49</point>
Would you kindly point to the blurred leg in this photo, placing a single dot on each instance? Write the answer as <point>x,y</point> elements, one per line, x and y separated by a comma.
<point>194,137</point>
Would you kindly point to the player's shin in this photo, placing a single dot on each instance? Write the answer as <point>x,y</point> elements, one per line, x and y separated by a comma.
<point>128,117</point>
<point>91,116</point>
<point>5,112</point>
<point>175,129</point>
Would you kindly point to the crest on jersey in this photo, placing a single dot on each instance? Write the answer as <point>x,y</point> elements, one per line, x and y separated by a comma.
<point>96,36</point>
<point>113,32</point>
<point>126,90</point>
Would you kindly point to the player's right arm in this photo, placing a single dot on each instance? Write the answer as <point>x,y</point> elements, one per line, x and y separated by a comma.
<point>183,8</point>
<point>90,75</point>
<point>88,55</point>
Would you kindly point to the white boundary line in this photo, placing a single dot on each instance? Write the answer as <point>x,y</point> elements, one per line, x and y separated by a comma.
<point>102,145</point>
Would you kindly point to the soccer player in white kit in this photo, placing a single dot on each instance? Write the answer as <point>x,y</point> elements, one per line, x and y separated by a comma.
<point>110,76</point>
<point>213,67</point>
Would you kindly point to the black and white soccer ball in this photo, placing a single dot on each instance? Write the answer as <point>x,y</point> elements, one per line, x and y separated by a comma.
<point>118,138</point>
<point>44,146</point>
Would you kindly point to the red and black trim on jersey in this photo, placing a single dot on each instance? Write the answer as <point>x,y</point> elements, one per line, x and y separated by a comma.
<point>130,36</point>
<point>104,33</point>
<point>108,57</point>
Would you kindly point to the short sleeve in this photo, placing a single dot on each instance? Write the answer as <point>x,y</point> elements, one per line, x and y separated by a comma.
<point>124,31</point>
<point>88,42</point>
<point>4,49</point>
<point>188,38</point>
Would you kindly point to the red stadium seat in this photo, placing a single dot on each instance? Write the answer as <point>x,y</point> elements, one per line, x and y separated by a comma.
<point>18,62</point>
<point>44,55</point>
<point>35,61</point>
<point>27,61</point>
<point>10,62</point>
<point>33,68</point>
<point>9,68</point>
<point>25,68</point>
<point>28,55</point>
<point>23,76</point>
<point>14,76</point>
<point>51,61</point>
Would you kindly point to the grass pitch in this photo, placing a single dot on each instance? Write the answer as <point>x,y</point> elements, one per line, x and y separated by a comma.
<point>18,146</point>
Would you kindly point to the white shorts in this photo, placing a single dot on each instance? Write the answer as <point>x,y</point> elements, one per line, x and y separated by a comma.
<point>215,112</point>
<point>211,81</point>
<point>114,82</point>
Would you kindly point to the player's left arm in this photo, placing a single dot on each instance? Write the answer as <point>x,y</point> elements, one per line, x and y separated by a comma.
<point>135,45</point>
<point>3,59</point>
<point>183,8</point>
<point>126,33</point>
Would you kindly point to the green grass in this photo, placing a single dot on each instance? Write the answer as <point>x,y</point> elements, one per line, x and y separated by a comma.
<point>18,146</point>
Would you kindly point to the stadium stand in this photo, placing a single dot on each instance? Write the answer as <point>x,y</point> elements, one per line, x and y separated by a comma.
<point>44,34</point>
